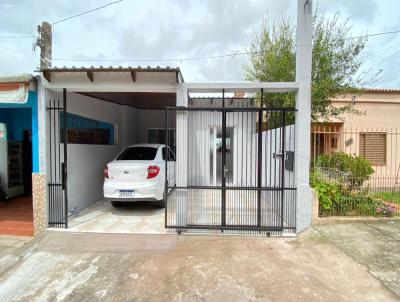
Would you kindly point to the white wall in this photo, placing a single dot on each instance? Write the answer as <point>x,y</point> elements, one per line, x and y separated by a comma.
<point>200,146</point>
<point>271,173</point>
<point>244,149</point>
<point>86,162</point>
<point>245,162</point>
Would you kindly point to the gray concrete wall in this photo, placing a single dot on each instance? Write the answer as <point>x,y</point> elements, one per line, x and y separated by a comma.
<point>152,119</point>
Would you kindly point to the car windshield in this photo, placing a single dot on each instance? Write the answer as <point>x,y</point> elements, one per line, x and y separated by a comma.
<point>138,153</point>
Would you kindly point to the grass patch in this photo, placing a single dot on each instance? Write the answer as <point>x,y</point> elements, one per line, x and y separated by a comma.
<point>389,196</point>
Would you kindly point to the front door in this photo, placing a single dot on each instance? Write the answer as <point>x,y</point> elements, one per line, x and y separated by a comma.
<point>216,172</point>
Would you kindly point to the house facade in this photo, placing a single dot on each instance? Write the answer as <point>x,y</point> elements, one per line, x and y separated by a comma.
<point>373,133</point>
<point>86,115</point>
<point>231,175</point>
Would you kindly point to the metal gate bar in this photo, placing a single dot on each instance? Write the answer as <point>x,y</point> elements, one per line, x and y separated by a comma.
<point>259,160</point>
<point>255,192</point>
<point>223,162</point>
<point>57,176</point>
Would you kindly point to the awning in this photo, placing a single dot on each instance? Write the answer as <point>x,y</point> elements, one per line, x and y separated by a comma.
<point>16,93</point>
<point>14,89</point>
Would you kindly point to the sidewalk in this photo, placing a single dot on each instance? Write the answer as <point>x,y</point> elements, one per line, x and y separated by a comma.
<point>91,267</point>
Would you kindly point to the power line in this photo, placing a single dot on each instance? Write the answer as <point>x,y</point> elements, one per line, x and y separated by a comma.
<point>390,77</point>
<point>87,12</point>
<point>162,60</point>
<point>384,50</point>
<point>376,34</point>
<point>234,54</point>
<point>119,1</point>
<point>18,37</point>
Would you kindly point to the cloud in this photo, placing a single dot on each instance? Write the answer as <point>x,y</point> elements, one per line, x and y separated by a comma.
<point>162,29</point>
<point>197,29</point>
<point>364,10</point>
<point>213,26</point>
<point>22,16</point>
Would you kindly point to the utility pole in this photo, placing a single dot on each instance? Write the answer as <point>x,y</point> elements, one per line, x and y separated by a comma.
<point>45,43</point>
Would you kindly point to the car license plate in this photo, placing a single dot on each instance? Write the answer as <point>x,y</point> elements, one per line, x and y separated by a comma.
<point>126,193</point>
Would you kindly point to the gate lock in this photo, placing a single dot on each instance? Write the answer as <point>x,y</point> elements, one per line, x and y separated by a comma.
<point>278,154</point>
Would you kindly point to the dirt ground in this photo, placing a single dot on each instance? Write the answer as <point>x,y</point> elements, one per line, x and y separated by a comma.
<point>64,266</point>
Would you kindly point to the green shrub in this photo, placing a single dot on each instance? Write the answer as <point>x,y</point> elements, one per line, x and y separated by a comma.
<point>328,192</point>
<point>335,199</point>
<point>366,208</point>
<point>363,203</point>
<point>355,169</point>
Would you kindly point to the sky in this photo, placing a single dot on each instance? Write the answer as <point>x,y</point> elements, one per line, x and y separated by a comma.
<point>180,29</point>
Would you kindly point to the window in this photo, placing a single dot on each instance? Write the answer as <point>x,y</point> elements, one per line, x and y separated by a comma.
<point>334,142</point>
<point>83,130</point>
<point>373,147</point>
<point>138,153</point>
<point>171,156</point>
<point>157,136</point>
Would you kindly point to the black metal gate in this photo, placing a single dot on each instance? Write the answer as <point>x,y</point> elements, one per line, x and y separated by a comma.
<point>57,164</point>
<point>239,174</point>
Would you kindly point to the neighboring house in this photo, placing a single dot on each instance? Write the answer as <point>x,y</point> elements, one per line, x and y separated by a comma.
<point>374,134</point>
<point>19,152</point>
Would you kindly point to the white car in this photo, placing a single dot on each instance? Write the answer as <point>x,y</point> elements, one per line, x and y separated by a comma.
<point>138,174</point>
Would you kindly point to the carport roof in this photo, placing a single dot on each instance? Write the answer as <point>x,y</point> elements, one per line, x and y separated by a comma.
<point>140,100</point>
<point>114,84</point>
<point>91,70</point>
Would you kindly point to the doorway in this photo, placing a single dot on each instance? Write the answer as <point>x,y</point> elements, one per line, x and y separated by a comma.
<point>216,156</point>
<point>16,163</point>
<point>27,161</point>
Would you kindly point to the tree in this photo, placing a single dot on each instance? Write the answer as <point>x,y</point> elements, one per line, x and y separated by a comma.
<point>336,63</point>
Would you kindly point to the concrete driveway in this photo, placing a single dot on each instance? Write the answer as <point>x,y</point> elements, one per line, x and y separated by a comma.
<point>134,218</point>
<point>65,266</point>
<point>374,244</point>
<point>11,248</point>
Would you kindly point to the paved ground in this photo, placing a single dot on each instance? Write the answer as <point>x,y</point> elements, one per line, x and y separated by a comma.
<point>138,217</point>
<point>147,218</point>
<point>374,244</point>
<point>64,266</point>
<point>11,248</point>
<point>16,216</point>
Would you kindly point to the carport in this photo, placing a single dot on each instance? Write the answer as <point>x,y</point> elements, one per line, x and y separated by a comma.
<point>104,109</point>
